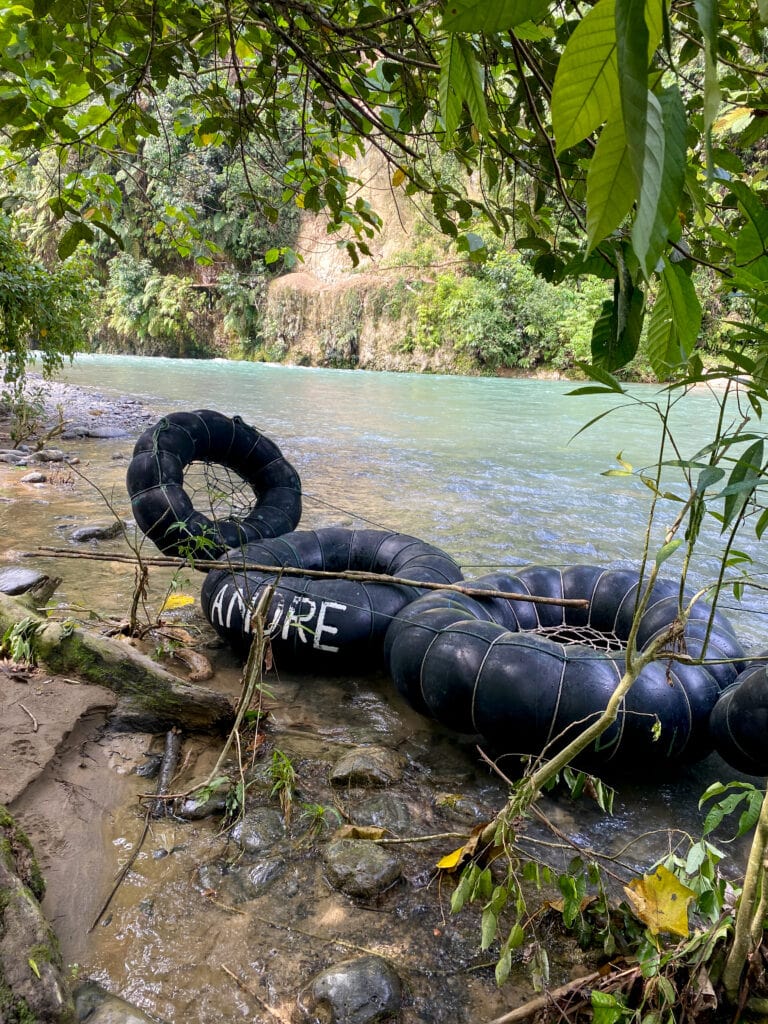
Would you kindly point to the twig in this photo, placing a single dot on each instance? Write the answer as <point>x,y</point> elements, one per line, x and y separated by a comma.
<point>34,720</point>
<point>546,1000</point>
<point>289,570</point>
<point>420,839</point>
<point>168,765</point>
<point>255,995</point>
<point>125,869</point>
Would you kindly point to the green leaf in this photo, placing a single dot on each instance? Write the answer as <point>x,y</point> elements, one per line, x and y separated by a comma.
<point>661,342</point>
<point>586,87</point>
<point>762,7</point>
<point>752,240</point>
<point>490,15</point>
<point>616,334</point>
<point>611,187</point>
<point>602,376</point>
<point>460,84</point>
<point>632,62</point>
<point>667,550</point>
<point>742,482</point>
<point>706,12</point>
<point>607,1008</point>
<point>657,225</point>
<point>488,926</point>
<point>707,477</point>
<point>686,308</point>
<point>78,232</point>
<point>647,240</point>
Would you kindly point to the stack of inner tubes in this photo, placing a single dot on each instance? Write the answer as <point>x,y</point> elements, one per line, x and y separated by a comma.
<point>526,676</point>
<point>530,677</point>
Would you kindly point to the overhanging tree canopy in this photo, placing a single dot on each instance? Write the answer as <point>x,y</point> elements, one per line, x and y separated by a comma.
<point>623,139</point>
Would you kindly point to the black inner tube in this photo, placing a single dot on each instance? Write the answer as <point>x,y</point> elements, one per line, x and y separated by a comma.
<point>162,507</point>
<point>483,666</point>
<point>312,620</point>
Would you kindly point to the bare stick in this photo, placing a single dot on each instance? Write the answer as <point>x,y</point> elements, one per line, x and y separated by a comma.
<point>289,570</point>
<point>168,767</point>
<point>254,995</point>
<point>34,720</point>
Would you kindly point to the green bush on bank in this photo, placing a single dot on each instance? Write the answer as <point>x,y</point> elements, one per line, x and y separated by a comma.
<point>503,315</point>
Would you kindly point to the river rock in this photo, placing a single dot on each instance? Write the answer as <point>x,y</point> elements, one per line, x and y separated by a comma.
<point>385,811</point>
<point>194,808</point>
<point>241,881</point>
<point>34,478</point>
<point>359,867</point>
<point>48,455</point>
<point>259,829</point>
<point>96,1005</point>
<point>97,531</point>
<point>358,991</point>
<point>18,580</point>
<point>13,457</point>
<point>368,766</point>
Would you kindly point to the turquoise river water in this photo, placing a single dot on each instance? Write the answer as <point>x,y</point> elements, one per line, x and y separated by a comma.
<point>494,470</point>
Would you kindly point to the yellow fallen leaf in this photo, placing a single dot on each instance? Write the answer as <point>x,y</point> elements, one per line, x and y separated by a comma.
<point>660,901</point>
<point>452,860</point>
<point>177,601</point>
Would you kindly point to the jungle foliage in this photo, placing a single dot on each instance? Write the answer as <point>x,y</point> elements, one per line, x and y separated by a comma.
<point>621,141</point>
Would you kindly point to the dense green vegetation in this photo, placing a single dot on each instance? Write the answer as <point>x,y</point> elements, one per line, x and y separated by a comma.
<point>179,145</point>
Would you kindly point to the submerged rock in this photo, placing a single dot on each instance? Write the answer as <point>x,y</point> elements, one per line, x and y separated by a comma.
<point>359,867</point>
<point>241,881</point>
<point>98,531</point>
<point>259,829</point>
<point>18,580</point>
<point>359,991</point>
<point>368,766</point>
<point>96,1005</point>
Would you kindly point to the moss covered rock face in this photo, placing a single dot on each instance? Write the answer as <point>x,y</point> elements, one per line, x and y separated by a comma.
<point>32,985</point>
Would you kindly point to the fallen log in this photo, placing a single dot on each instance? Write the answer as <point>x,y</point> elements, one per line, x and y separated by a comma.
<point>150,697</point>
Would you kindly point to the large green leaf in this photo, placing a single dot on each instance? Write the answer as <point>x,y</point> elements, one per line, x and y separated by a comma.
<point>632,61</point>
<point>685,306</point>
<point>752,240</point>
<point>490,15</point>
<point>742,482</point>
<point>661,341</point>
<point>586,87</point>
<point>647,239</point>
<point>616,334</point>
<point>660,198</point>
<point>674,323</point>
<point>611,186</point>
<point>706,13</point>
<point>461,83</point>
